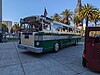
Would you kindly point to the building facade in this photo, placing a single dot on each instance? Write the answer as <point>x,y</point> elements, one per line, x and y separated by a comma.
<point>8,23</point>
<point>0,11</point>
<point>77,11</point>
<point>78,8</point>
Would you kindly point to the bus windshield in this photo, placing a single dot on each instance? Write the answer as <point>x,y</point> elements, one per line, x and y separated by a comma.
<point>31,27</point>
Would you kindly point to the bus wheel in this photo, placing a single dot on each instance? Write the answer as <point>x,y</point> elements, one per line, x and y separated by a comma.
<point>56,47</point>
<point>84,62</point>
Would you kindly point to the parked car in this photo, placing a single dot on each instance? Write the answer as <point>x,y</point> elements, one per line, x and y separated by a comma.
<point>91,54</point>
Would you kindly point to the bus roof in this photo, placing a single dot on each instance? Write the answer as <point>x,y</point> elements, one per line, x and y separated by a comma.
<point>33,18</point>
<point>63,24</point>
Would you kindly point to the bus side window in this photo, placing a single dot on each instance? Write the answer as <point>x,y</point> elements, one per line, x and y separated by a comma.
<point>40,27</point>
<point>66,29</point>
<point>47,27</point>
<point>70,29</point>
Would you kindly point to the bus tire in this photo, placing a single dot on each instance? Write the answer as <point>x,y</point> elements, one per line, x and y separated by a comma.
<point>56,47</point>
<point>84,62</point>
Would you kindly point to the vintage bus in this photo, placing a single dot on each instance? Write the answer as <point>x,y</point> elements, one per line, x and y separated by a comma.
<point>91,55</point>
<point>41,34</point>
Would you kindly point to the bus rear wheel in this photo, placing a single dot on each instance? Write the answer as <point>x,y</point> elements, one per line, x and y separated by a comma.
<point>56,47</point>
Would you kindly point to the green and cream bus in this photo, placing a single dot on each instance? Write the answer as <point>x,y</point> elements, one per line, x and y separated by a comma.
<point>41,34</point>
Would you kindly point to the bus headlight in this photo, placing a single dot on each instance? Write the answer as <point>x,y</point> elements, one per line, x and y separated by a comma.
<point>37,43</point>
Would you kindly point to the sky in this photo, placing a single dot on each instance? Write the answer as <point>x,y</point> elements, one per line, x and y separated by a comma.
<point>14,10</point>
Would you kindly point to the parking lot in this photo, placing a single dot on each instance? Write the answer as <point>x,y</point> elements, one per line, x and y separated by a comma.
<point>14,61</point>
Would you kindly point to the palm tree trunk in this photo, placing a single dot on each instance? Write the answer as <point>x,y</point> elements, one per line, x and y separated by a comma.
<point>87,22</point>
<point>75,25</point>
<point>95,23</point>
<point>67,21</point>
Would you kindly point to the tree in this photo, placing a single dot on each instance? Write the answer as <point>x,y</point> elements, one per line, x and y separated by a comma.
<point>96,16</point>
<point>11,30</point>
<point>67,16</point>
<point>15,28</point>
<point>56,17</point>
<point>4,28</point>
<point>76,21</point>
<point>87,12</point>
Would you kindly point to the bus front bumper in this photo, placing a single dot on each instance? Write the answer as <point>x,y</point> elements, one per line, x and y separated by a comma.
<point>30,48</point>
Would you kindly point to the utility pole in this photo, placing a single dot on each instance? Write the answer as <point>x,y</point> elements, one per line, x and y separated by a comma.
<point>0,11</point>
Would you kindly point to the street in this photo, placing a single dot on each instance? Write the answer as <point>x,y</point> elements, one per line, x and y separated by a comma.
<point>67,61</point>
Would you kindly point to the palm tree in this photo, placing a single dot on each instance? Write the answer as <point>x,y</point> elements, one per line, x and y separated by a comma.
<point>76,21</point>
<point>96,17</point>
<point>67,16</point>
<point>56,17</point>
<point>87,12</point>
<point>15,29</point>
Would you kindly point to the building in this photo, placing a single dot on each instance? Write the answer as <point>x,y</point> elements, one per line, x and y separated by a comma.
<point>78,8</point>
<point>77,11</point>
<point>8,23</point>
<point>0,11</point>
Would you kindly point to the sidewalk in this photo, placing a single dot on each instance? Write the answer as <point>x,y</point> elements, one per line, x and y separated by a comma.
<point>14,61</point>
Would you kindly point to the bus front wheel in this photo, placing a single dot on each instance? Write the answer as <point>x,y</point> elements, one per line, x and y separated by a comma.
<point>56,47</point>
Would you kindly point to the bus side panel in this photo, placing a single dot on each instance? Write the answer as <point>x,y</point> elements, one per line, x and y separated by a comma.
<point>72,39</point>
<point>48,45</point>
<point>47,41</point>
<point>78,40</point>
<point>65,42</point>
